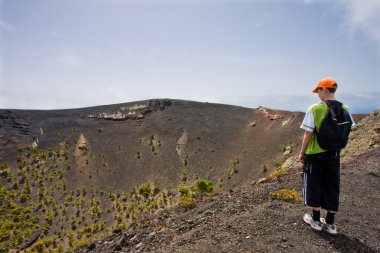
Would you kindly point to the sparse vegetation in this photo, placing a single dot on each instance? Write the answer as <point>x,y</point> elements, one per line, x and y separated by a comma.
<point>187,200</point>
<point>151,138</point>
<point>220,182</point>
<point>145,191</point>
<point>34,208</point>
<point>278,173</point>
<point>203,186</point>
<point>154,143</point>
<point>188,194</point>
<point>3,166</point>
<point>233,170</point>
<point>290,195</point>
<point>183,176</point>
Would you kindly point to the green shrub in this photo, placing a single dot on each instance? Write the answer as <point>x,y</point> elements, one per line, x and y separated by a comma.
<point>145,190</point>
<point>230,173</point>
<point>156,188</point>
<point>3,166</point>
<point>183,176</point>
<point>23,198</point>
<point>112,196</point>
<point>187,201</point>
<point>49,219</point>
<point>70,237</point>
<point>235,162</point>
<point>70,198</point>
<point>187,194</point>
<point>122,225</point>
<point>183,190</point>
<point>203,186</point>
<point>35,219</point>
<point>220,182</point>
<point>46,229</point>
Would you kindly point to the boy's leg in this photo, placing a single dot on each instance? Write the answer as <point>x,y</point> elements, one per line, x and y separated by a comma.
<point>312,182</point>
<point>330,191</point>
<point>312,191</point>
<point>331,182</point>
<point>330,217</point>
<point>317,214</point>
<point>328,224</point>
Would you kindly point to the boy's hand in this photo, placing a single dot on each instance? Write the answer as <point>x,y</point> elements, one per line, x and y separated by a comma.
<point>301,157</point>
<point>305,142</point>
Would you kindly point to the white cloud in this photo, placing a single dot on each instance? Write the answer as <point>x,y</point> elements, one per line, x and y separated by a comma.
<point>362,16</point>
<point>71,60</point>
<point>358,16</point>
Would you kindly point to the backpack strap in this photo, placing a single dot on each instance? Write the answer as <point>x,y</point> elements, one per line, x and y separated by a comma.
<point>334,108</point>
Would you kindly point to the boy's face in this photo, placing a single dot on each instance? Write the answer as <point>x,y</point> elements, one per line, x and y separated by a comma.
<point>322,93</point>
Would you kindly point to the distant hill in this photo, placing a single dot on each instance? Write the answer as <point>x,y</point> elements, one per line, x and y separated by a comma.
<point>158,140</point>
<point>69,177</point>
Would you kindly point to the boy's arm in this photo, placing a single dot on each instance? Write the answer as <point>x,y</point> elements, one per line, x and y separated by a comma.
<point>306,138</point>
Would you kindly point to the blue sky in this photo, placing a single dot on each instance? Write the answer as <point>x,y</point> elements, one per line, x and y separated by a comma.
<point>57,54</point>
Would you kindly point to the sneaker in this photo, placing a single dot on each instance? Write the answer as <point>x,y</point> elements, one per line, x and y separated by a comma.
<point>315,225</point>
<point>328,228</point>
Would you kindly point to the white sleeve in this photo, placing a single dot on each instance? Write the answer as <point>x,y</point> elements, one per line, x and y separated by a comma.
<point>352,119</point>
<point>308,121</point>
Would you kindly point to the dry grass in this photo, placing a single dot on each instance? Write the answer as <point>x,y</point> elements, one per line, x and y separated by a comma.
<point>277,173</point>
<point>290,195</point>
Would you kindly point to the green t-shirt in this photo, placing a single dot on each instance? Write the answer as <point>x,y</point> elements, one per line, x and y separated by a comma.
<point>313,120</point>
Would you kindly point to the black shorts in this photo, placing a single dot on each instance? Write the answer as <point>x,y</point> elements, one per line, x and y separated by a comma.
<point>321,180</point>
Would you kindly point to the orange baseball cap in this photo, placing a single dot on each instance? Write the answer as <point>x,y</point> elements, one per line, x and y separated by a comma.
<point>327,82</point>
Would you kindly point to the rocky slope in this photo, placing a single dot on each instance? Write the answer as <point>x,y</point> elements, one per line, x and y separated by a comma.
<point>251,219</point>
<point>71,177</point>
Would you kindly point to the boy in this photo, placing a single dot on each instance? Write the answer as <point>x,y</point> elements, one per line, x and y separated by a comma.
<point>321,176</point>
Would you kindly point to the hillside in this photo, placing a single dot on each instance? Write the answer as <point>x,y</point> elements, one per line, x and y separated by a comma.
<point>124,145</point>
<point>252,219</point>
<point>71,177</point>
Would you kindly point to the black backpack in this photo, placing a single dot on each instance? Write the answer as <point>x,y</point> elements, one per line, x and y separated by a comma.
<point>335,127</point>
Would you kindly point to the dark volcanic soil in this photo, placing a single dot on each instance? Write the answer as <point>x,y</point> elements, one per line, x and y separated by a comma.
<point>156,140</point>
<point>92,156</point>
<point>250,221</point>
